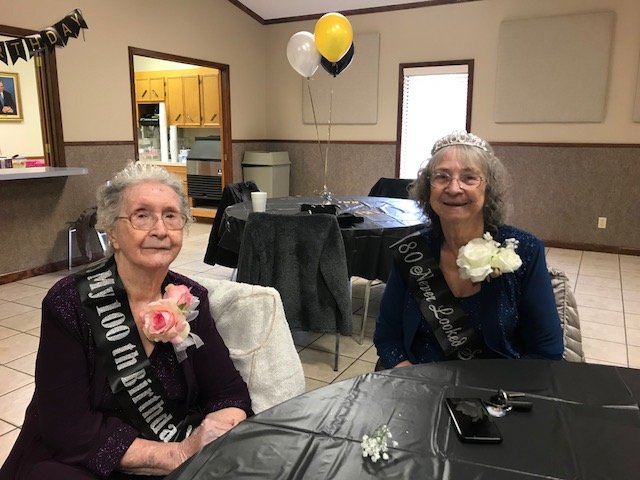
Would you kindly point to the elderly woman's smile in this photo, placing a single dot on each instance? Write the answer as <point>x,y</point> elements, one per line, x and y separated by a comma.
<point>155,246</point>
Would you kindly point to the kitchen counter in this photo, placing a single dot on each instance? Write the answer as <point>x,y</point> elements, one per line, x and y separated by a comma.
<point>40,172</point>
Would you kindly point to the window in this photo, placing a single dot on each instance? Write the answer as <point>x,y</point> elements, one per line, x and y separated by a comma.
<point>435,100</point>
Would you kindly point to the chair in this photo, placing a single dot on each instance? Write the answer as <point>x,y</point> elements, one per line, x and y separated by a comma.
<point>391,188</point>
<point>303,257</point>
<point>83,228</point>
<point>252,323</point>
<point>231,194</point>
<point>568,313</point>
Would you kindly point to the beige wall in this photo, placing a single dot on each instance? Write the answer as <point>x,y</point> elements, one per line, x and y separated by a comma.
<point>266,104</point>
<point>94,74</point>
<point>95,100</point>
<point>447,32</point>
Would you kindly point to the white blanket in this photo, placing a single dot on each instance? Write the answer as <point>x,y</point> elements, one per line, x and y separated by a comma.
<point>252,323</point>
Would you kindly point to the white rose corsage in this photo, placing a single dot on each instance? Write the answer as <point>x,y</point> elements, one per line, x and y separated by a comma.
<point>376,445</point>
<point>484,257</point>
<point>167,320</point>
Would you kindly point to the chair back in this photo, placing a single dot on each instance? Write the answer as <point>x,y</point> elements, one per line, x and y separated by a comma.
<point>391,188</point>
<point>303,257</point>
<point>231,194</point>
<point>568,313</point>
<point>252,323</point>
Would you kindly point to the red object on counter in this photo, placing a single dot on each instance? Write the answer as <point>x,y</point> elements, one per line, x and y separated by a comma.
<point>34,163</point>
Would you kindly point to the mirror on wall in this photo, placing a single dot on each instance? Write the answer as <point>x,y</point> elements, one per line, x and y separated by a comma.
<point>30,123</point>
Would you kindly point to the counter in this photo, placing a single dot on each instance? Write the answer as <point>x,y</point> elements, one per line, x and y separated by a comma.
<point>40,172</point>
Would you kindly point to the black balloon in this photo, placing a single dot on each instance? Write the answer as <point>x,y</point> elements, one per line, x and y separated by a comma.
<point>336,68</point>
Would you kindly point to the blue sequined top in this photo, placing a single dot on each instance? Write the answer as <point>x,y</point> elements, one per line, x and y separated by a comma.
<point>515,314</point>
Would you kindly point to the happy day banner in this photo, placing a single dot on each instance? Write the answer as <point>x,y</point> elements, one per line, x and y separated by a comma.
<point>50,38</point>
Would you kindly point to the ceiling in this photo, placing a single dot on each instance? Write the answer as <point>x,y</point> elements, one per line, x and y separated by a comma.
<point>276,11</point>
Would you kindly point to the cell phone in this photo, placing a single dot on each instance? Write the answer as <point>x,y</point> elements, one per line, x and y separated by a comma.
<point>471,420</point>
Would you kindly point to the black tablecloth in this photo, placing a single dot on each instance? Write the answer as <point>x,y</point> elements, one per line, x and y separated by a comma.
<point>585,424</point>
<point>385,221</point>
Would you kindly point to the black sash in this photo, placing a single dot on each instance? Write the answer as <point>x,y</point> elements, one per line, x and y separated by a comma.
<point>132,381</point>
<point>447,320</point>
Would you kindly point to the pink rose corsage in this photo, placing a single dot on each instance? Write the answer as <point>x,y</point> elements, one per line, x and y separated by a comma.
<point>167,320</point>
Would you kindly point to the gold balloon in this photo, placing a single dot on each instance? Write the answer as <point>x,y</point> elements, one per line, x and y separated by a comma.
<point>333,35</point>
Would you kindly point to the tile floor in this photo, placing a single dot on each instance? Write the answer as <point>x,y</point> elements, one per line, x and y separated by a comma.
<point>607,288</point>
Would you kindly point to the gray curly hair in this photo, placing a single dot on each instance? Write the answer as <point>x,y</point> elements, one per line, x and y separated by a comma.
<point>110,195</point>
<point>496,177</point>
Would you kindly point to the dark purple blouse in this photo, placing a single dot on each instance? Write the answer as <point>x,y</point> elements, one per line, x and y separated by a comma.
<point>74,424</point>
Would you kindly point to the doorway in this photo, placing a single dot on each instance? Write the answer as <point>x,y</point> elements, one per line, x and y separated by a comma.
<point>175,102</point>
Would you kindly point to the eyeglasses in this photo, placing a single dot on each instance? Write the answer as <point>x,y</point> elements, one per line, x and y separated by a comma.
<point>143,220</point>
<point>465,180</point>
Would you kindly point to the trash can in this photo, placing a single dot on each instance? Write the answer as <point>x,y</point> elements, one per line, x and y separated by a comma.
<point>269,170</point>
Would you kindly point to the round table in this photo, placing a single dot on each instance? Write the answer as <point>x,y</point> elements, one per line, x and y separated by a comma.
<point>384,222</point>
<point>585,423</point>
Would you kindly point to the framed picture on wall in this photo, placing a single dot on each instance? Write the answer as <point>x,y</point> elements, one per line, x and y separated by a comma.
<point>10,99</point>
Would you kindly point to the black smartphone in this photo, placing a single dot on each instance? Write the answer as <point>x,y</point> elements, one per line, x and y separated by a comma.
<point>471,420</point>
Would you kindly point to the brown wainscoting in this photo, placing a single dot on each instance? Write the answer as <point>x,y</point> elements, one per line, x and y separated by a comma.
<point>32,272</point>
<point>592,248</point>
<point>98,143</point>
<point>315,141</point>
<point>568,145</point>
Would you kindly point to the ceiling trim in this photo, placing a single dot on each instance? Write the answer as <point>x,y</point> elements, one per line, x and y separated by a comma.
<point>361,11</point>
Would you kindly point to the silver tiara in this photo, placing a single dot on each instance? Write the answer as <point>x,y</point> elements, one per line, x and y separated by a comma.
<point>460,137</point>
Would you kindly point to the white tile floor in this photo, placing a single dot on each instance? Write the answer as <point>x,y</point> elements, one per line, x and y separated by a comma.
<point>607,289</point>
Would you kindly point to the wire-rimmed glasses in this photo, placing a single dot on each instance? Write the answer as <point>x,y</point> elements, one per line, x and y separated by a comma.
<point>143,220</point>
<point>466,180</point>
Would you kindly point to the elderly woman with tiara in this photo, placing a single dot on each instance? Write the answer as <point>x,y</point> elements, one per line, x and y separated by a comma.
<point>468,286</point>
<point>132,377</point>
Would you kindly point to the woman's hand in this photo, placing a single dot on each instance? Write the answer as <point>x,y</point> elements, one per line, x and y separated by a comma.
<point>147,457</point>
<point>213,426</point>
<point>404,363</point>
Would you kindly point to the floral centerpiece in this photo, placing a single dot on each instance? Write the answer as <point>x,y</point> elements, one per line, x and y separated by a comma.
<point>484,257</point>
<point>167,320</point>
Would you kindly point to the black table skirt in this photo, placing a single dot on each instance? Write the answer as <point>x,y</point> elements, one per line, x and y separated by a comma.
<point>385,221</point>
<point>585,424</point>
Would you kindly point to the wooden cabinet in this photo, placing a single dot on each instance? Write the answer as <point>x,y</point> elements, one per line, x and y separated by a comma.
<point>149,89</point>
<point>183,101</point>
<point>192,96</point>
<point>210,100</point>
<point>191,92</point>
<point>181,171</point>
<point>175,101</point>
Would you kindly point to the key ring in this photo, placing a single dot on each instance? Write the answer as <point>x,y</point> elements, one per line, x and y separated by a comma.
<point>499,405</point>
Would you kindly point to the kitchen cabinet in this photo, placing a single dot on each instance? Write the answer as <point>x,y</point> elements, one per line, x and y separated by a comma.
<point>210,100</point>
<point>149,89</point>
<point>181,171</point>
<point>183,100</point>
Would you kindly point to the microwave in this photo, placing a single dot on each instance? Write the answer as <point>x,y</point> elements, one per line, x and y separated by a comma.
<point>149,114</point>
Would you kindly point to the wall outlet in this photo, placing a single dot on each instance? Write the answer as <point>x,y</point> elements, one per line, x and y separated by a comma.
<point>602,222</point>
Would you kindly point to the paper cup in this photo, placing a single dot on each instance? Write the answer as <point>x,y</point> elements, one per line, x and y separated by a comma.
<point>259,201</point>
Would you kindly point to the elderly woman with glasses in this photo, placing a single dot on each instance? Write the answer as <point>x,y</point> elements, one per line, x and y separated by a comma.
<point>468,286</point>
<point>132,377</point>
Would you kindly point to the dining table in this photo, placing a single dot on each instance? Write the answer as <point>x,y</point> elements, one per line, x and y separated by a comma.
<point>374,224</point>
<point>584,423</point>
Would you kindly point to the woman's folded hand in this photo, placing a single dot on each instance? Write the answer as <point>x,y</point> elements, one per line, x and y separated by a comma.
<point>213,426</point>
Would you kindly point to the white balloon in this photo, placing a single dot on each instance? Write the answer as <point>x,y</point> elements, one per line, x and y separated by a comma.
<point>303,54</point>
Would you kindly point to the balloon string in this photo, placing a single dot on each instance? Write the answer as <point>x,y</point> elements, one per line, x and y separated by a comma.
<point>326,152</point>
<point>315,121</point>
